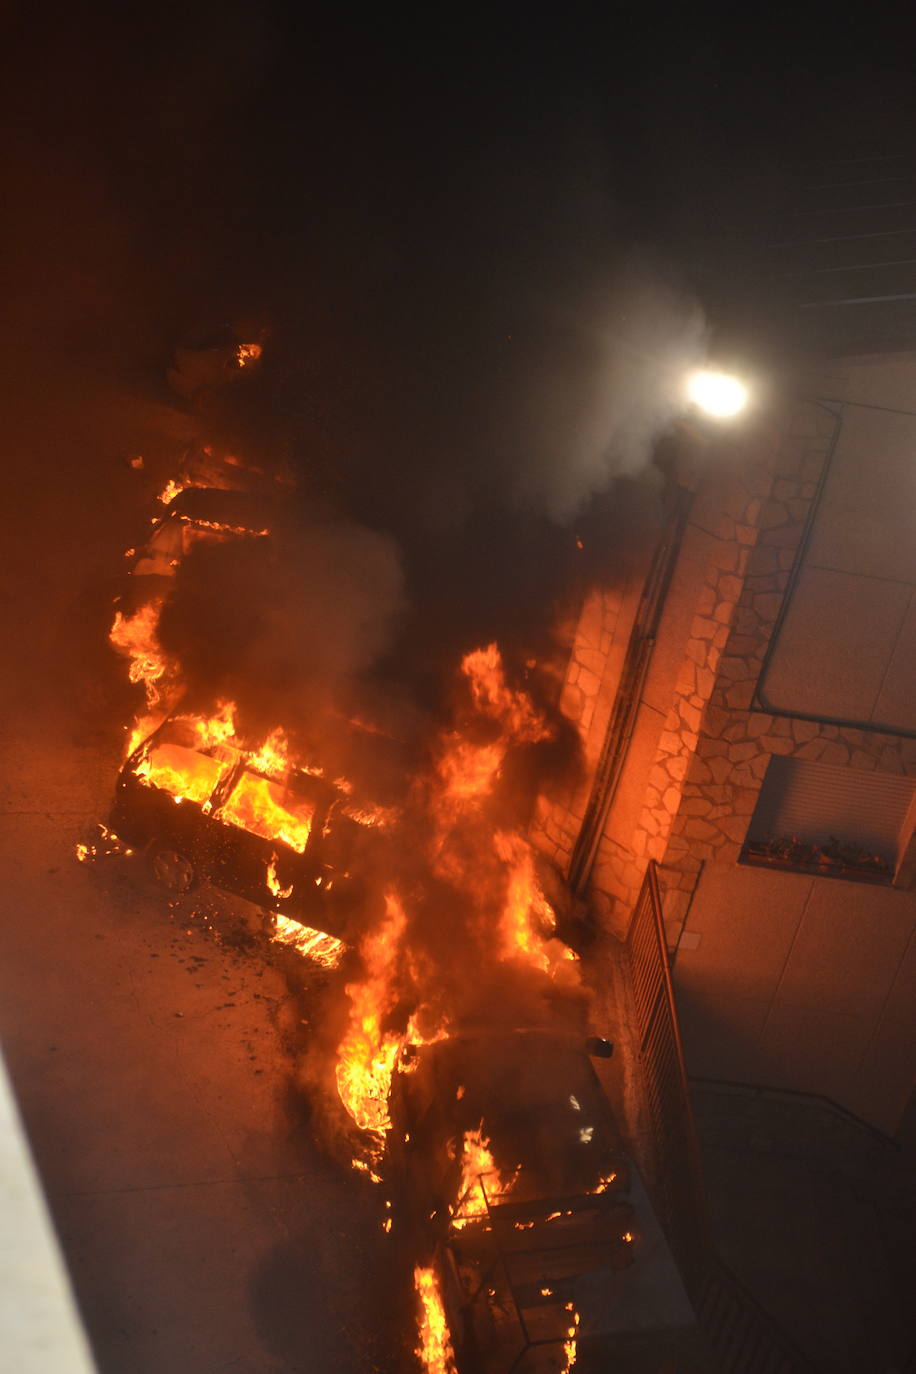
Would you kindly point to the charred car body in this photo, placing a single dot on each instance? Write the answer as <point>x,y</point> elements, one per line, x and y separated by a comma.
<point>521,1196</point>
<point>196,515</point>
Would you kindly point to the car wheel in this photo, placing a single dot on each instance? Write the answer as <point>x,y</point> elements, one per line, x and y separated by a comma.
<point>172,869</point>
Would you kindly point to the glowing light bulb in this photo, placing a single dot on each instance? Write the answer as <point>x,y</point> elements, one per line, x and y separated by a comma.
<point>717,393</point>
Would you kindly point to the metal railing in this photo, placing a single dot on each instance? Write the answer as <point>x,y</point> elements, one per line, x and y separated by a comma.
<point>764,1092</point>
<point>679,1192</point>
<point>742,1338</point>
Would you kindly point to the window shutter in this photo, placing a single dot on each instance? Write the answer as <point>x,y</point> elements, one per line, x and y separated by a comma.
<point>817,801</point>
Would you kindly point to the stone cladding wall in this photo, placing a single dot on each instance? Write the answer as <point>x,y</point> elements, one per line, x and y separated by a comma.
<point>586,700</point>
<point>727,517</point>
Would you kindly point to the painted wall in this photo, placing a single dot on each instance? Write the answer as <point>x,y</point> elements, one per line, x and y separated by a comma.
<point>853,605</point>
<point>800,982</point>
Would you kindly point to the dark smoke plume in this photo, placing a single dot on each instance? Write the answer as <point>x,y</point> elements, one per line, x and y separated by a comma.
<point>283,625</point>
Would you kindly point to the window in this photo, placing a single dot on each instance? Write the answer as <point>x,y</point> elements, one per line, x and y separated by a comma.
<point>837,822</point>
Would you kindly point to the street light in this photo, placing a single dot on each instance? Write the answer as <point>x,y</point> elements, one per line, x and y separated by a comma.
<point>717,393</point>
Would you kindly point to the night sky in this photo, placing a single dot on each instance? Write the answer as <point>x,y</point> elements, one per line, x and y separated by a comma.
<point>250,158</point>
<point>474,242</point>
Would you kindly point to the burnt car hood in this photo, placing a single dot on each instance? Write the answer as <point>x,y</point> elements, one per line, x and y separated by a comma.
<point>537,1095</point>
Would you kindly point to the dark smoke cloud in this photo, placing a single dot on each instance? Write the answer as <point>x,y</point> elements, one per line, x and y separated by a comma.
<point>604,386</point>
<point>283,625</point>
<point>465,354</point>
<point>511,347</point>
<point>474,364</point>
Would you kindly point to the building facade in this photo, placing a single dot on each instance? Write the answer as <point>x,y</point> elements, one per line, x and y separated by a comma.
<point>746,702</point>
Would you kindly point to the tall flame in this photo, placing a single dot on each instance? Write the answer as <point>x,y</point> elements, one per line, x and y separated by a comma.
<point>468,769</point>
<point>493,696</point>
<point>521,937</point>
<point>464,776</point>
<point>367,1054</point>
<point>136,637</point>
<point>435,1349</point>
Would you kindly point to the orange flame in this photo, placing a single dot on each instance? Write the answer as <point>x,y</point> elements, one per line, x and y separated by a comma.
<point>478,1172</point>
<point>366,1169</point>
<point>273,882</point>
<point>171,489</point>
<point>521,936</point>
<point>273,756</point>
<point>316,945</point>
<point>572,1331</point>
<point>261,807</point>
<point>467,772</point>
<point>435,1349</point>
<point>136,638</point>
<point>248,353</point>
<point>467,769</point>
<point>216,729</point>
<point>367,1054</point>
<point>495,698</point>
<point>380,816</point>
<point>221,527</point>
<point>604,1183</point>
<point>183,772</point>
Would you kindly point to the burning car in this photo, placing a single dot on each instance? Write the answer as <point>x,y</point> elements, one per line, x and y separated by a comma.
<point>195,515</point>
<point>540,1248</point>
<point>253,823</point>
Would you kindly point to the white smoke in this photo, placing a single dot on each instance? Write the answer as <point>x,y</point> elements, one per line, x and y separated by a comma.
<point>611,388</point>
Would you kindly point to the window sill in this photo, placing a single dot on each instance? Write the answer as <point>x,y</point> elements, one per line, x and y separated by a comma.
<point>849,875</point>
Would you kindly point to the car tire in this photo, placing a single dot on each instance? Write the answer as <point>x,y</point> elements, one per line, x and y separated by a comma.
<point>172,869</point>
